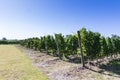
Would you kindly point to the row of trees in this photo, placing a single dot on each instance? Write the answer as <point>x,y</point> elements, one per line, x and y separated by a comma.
<point>96,46</point>
<point>57,45</point>
<point>5,41</point>
<point>93,44</point>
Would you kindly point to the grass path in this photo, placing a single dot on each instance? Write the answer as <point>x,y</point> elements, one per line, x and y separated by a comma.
<point>15,65</point>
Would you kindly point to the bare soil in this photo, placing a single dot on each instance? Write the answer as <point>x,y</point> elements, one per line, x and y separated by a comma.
<point>57,69</point>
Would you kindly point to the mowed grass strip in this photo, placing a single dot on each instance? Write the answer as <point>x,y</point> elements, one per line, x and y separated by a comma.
<point>15,65</point>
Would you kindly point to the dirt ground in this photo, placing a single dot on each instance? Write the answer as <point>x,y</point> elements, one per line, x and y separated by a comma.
<point>57,69</point>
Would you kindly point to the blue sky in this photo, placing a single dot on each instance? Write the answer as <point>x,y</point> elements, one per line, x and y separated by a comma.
<point>21,19</point>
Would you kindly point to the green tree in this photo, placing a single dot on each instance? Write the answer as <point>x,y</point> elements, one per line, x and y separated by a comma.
<point>90,43</point>
<point>35,43</point>
<point>51,45</point>
<point>4,38</point>
<point>96,44</point>
<point>104,47</point>
<point>116,44</point>
<point>41,46</point>
<point>110,46</point>
<point>60,43</point>
<point>71,44</point>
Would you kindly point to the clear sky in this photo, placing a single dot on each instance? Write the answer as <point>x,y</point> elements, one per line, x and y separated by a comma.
<point>33,18</point>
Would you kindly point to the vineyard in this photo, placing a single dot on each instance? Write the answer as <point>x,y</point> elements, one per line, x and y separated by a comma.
<point>43,40</point>
<point>84,55</point>
<point>93,46</point>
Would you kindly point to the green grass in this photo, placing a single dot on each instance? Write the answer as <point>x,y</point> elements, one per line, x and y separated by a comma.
<point>112,67</point>
<point>15,65</point>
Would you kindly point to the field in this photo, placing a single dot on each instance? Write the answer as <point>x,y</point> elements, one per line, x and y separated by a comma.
<point>19,63</point>
<point>15,65</point>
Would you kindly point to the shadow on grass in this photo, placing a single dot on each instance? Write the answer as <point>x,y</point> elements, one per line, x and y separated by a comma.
<point>75,59</point>
<point>112,66</point>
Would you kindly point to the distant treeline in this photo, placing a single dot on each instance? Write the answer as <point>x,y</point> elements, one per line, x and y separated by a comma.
<point>9,41</point>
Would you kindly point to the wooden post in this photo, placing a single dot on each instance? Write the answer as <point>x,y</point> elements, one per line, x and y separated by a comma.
<point>79,43</point>
<point>46,45</point>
